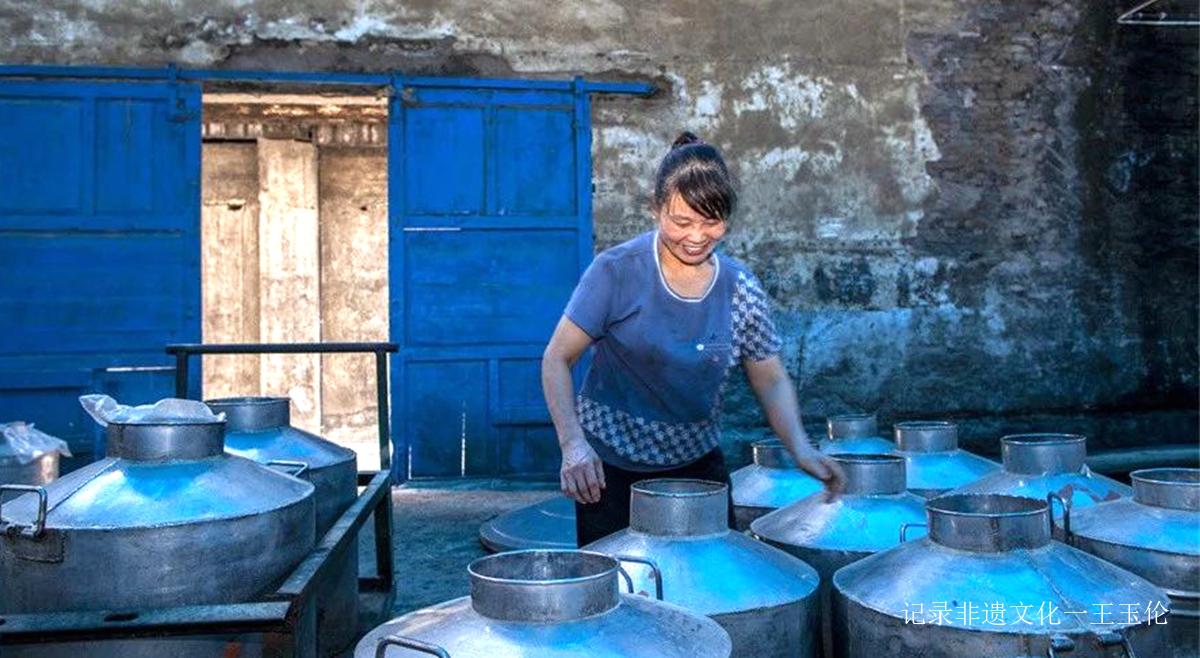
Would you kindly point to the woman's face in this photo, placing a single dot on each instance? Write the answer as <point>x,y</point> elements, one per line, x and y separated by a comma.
<point>689,236</point>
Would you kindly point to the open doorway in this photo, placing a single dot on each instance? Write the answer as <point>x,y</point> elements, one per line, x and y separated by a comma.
<point>294,249</point>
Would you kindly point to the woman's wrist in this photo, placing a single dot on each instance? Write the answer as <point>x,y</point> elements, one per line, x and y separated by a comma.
<point>571,439</point>
<point>804,444</point>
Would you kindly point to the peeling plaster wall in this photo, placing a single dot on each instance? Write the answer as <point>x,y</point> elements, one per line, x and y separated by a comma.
<point>959,207</point>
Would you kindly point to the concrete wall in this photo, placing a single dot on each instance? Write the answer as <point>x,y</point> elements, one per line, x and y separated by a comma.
<point>324,275</point>
<point>981,209</point>
<point>229,264</point>
<point>354,291</point>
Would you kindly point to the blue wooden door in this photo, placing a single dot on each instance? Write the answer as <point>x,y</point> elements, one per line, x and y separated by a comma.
<point>490,229</point>
<point>100,245</point>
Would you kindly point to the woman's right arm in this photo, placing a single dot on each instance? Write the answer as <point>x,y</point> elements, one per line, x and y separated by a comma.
<point>582,474</point>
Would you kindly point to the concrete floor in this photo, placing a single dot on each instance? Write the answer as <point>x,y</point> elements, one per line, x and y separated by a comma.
<point>435,534</point>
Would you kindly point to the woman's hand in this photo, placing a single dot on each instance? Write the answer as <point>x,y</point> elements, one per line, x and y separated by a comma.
<point>773,387</point>
<point>582,472</point>
<point>820,466</point>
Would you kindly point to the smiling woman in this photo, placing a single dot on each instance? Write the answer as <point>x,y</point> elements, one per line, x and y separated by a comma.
<point>669,317</point>
<point>694,196</point>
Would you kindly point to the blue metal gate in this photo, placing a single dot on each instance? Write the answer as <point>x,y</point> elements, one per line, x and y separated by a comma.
<point>99,241</point>
<point>490,228</point>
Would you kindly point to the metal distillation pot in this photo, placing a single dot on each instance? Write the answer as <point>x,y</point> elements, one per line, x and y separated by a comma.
<point>854,433</point>
<point>548,524</point>
<point>1155,534</point>
<point>765,598</point>
<point>42,470</point>
<point>864,520</point>
<point>989,580</point>
<point>1035,465</point>
<point>259,428</point>
<point>167,518</point>
<point>935,464</point>
<point>771,482</point>
<point>548,604</point>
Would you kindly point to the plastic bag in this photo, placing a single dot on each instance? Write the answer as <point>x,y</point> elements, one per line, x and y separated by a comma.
<point>104,410</point>
<point>29,443</point>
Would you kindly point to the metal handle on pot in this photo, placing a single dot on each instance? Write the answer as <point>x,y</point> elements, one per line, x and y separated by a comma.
<point>1066,520</point>
<point>301,467</point>
<point>904,529</point>
<point>408,643</point>
<point>39,523</point>
<point>1059,643</point>
<point>1116,638</point>
<point>654,570</point>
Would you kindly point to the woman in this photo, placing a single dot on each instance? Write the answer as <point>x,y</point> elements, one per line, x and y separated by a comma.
<point>669,318</point>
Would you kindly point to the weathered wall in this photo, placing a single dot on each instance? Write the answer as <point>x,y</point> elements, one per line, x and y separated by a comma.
<point>229,273</point>
<point>336,292</point>
<point>289,271</point>
<point>984,209</point>
<point>354,291</point>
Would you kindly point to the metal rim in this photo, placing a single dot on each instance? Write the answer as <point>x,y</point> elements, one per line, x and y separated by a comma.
<point>1046,452</point>
<point>166,441</point>
<point>870,474</point>
<point>854,425</point>
<point>1174,477</point>
<point>252,414</point>
<point>865,458</point>
<point>925,425</point>
<point>926,436</point>
<point>1043,439</point>
<point>609,571</point>
<point>1034,507</point>
<point>679,507</point>
<point>544,586</point>
<point>171,422</point>
<point>1171,488</point>
<point>988,523</point>
<point>772,453</point>
<point>248,400</point>
<point>850,417</point>
<point>662,487</point>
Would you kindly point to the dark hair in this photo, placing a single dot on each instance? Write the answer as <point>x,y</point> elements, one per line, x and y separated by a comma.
<point>698,173</point>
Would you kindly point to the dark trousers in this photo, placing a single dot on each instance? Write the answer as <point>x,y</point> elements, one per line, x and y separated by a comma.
<point>612,512</point>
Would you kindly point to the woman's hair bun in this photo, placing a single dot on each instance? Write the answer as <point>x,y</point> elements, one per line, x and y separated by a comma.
<point>686,138</point>
<point>697,172</point>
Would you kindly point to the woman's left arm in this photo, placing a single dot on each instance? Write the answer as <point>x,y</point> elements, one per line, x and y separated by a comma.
<point>775,393</point>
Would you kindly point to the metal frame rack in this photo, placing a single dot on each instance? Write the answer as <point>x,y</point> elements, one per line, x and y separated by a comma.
<point>282,612</point>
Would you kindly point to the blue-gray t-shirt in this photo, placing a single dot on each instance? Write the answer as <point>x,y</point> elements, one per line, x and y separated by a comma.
<point>651,399</point>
